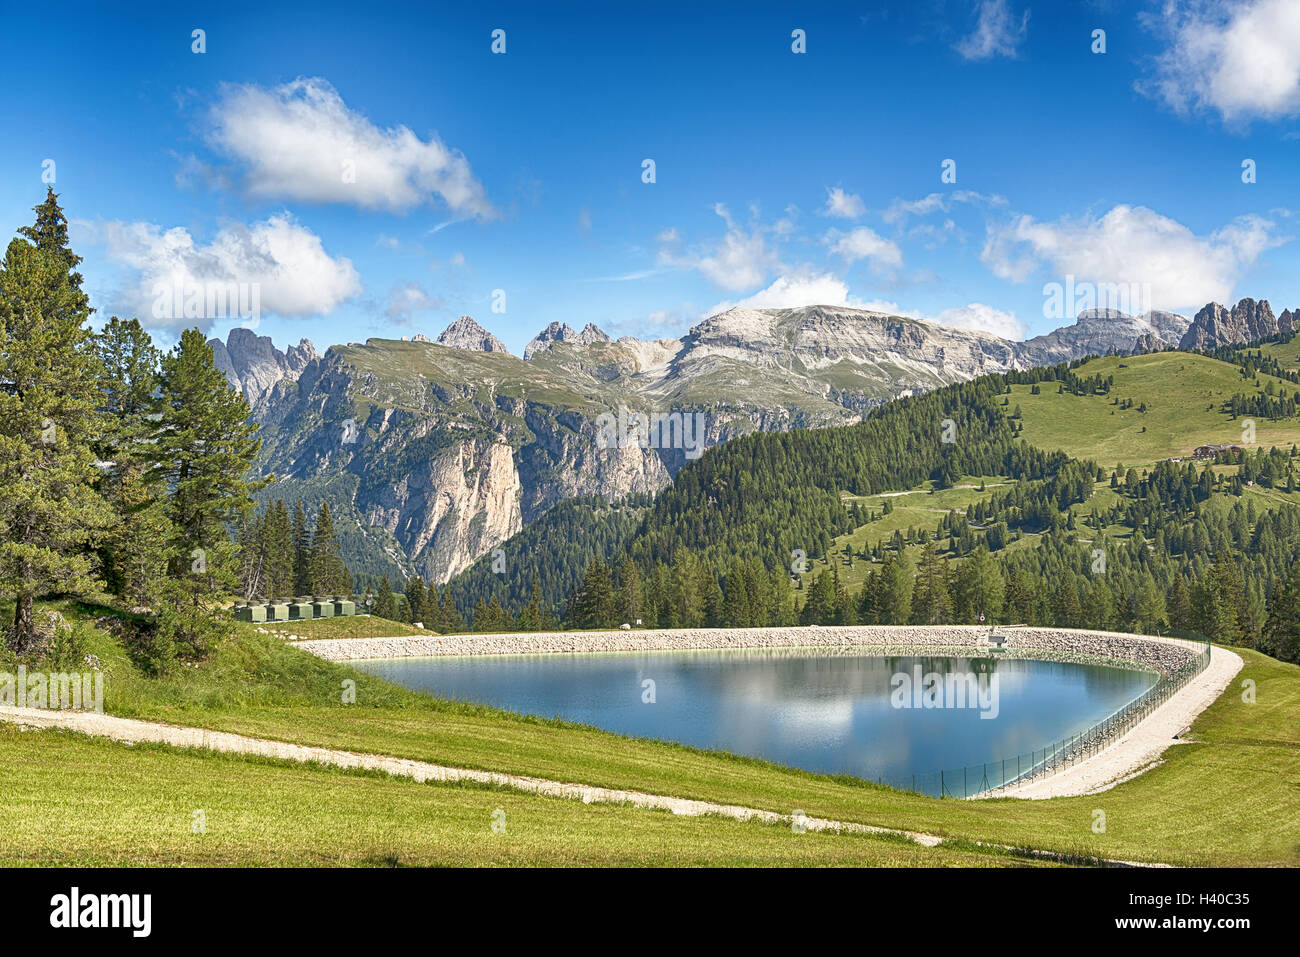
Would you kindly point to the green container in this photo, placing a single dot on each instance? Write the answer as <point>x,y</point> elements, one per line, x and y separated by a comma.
<point>251,613</point>
<point>323,609</point>
<point>278,611</point>
<point>300,610</point>
<point>345,607</point>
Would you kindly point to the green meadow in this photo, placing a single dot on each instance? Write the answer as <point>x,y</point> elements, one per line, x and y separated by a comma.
<point>1230,796</point>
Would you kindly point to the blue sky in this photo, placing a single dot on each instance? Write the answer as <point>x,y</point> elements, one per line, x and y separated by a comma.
<point>781,178</point>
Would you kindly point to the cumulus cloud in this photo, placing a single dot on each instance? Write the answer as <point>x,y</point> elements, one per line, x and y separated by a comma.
<point>741,259</point>
<point>865,243</point>
<point>300,141</point>
<point>1240,59</point>
<point>1133,244</point>
<point>805,288</point>
<point>842,204</point>
<point>283,263</point>
<point>982,318</point>
<point>998,32</point>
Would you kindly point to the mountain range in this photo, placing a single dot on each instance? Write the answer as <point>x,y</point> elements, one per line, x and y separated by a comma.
<point>433,452</point>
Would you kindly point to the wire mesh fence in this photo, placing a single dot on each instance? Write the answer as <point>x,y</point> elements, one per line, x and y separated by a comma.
<point>973,779</point>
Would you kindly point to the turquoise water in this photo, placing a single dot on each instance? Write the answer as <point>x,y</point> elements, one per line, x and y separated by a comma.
<point>839,713</point>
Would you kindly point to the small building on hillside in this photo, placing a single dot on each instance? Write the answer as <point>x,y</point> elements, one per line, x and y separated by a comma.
<point>1211,451</point>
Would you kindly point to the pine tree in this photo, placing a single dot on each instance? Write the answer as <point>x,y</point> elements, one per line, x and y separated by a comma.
<point>50,513</point>
<point>203,451</point>
<point>629,599</point>
<point>453,623</point>
<point>593,603</point>
<point>499,619</point>
<point>132,551</point>
<point>482,622</point>
<point>1067,608</point>
<point>819,607</point>
<point>385,606</point>
<point>328,574</point>
<point>1180,605</point>
<point>980,588</point>
<point>1281,637</point>
<point>278,536</point>
<point>415,592</point>
<point>931,596</point>
<point>301,551</point>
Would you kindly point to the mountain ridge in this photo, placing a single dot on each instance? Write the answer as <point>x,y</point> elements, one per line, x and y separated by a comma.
<point>457,444</point>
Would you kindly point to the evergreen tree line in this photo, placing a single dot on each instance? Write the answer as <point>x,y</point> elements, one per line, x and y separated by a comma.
<point>282,556</point>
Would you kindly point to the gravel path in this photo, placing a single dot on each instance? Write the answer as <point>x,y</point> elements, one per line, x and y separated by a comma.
<point>1141,748</point>
<point>132,731</point>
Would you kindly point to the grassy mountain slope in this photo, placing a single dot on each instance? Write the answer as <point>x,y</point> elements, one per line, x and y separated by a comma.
<point>1184,395</point>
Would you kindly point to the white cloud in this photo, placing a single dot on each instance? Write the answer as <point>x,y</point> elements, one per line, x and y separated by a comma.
<point>1241,59</point>
<point>899,210</point>
<point>805,288</point>
<point>998,32</point>
<point>810,288</point>
<point>982,318</point>
<point>740,260</point>
<point>301,141</point>
<point>1133,244</point>
<point>286,264</point>
<point>864,243</point>
<point>842,204</point>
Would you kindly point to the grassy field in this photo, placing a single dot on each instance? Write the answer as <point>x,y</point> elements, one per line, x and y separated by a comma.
<point>69,799</point>
<point>1288,354</point>
<point>1231,799</point>
<point>920,508</point>
<point>1184,395</point>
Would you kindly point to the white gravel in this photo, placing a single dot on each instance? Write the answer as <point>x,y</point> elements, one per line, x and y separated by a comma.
<point>1140,749</point>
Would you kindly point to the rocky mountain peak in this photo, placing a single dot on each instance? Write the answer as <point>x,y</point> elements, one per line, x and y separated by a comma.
<point>466,333</point>
<point>253,365</point>
<point>1215,325</point>
<point>563,332</point>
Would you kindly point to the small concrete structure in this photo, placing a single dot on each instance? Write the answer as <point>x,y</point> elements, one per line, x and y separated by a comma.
<point>277,611</point>
<point>322,609</point>
<point>300,610</point>
<point>345,607</point>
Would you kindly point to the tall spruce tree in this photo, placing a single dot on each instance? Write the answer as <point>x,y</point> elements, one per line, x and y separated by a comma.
<point>931,596</point>
<point>1281,637</point>
<point>49,510</point>
<point>329,576</point>
<point>203,451</point>
<point>301,536</point>
<point>385,606</point>
<point>415,599</point>
<point>133,550</point>
<point>278,534</point>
